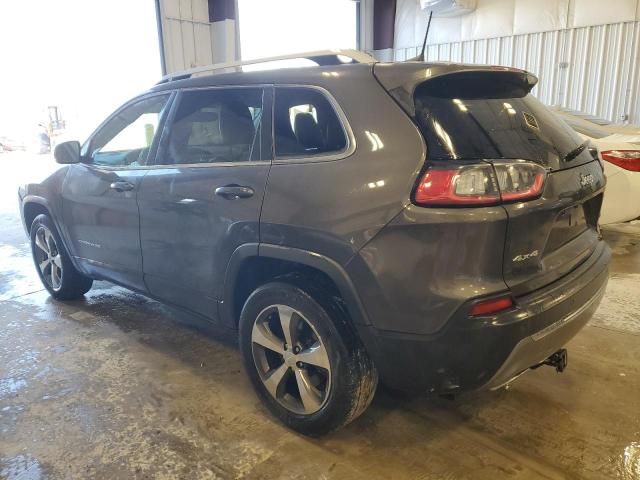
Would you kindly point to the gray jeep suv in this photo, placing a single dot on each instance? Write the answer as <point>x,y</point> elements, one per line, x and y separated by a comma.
<point>431,225</point>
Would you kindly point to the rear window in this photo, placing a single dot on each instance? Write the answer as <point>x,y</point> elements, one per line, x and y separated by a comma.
<point>468,117</point>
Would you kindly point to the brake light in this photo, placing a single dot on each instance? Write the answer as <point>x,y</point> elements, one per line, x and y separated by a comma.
<point>480,184</point>
<point>627,159</point>
<point>461,186</point>
<point>492,306</point>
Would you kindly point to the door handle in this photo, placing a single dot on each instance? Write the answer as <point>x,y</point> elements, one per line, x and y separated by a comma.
<point>121,186</point>
<point>234,192</point>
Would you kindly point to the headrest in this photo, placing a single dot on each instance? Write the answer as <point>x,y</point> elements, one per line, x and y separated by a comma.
<point>307,131</point>
<point>236,125</point>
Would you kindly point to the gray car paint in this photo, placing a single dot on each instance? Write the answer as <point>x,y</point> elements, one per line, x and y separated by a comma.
<point>400,268</point>
<point>186,264</point>
<point>103,224</point>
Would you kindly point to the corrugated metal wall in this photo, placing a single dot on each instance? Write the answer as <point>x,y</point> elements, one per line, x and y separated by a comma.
<point>595,69</point>
<point>187,34</point>
<point>198,32</point>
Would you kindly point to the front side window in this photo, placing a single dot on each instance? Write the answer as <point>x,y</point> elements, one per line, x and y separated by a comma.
<point>305,124</point>
<point>214,126</point>
<point>125,140</point>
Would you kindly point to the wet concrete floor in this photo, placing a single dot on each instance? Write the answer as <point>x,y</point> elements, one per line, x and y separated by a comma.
<point>119,386</point>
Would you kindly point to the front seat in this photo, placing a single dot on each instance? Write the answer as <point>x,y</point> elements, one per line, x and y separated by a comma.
<point>238,131</point>
<point>179,141</point>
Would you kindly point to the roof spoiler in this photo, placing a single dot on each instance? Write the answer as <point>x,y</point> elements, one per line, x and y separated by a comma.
<point>402,79</point>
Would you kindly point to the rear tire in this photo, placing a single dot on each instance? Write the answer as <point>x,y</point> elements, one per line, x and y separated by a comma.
<point>321,382</point>
<point>52,261</point>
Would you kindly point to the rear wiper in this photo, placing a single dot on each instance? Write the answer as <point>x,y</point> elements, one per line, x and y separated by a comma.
<point>576,151</point>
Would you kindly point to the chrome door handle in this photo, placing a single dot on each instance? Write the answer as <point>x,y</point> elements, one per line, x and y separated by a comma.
<point>234,192</point>
<point>121,186</point>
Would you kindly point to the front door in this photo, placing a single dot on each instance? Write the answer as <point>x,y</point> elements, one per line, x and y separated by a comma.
<point>99,195</point>
<point>203,198</point>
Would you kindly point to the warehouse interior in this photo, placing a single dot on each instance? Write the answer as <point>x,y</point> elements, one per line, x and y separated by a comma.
<point>119,384</point>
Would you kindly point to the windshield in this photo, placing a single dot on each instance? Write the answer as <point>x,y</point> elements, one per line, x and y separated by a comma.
<point>477,120</point>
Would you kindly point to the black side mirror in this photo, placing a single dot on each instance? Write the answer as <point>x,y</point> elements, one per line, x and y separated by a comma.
<point>67,152</point>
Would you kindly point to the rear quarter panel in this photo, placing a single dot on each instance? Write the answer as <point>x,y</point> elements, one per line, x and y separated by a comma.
<point>423,266</point>
<point>335,207</point>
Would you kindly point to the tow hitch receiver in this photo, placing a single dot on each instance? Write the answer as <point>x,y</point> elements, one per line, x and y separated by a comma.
<point>557,360</point>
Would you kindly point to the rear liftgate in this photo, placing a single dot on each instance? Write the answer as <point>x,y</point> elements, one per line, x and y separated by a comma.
<point>492,143</point>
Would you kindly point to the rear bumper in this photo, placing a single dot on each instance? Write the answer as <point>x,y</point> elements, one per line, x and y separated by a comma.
<point>535,348</point>
<point>485,353</point>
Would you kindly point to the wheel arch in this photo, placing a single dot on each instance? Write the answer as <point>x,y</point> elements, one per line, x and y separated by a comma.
<point>31,207</point>
<point>254,264</point>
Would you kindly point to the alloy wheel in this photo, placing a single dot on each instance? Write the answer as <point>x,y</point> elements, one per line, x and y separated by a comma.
<point>48,257</point>
<point>291,359</point>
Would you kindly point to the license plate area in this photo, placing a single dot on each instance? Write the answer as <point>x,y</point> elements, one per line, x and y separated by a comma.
<point>573,221</point>
<point>569,223</point>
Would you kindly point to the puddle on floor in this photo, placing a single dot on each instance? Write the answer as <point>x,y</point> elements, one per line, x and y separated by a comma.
<point>630,462</point>
<point>620,307</point>
<point>21,467</point>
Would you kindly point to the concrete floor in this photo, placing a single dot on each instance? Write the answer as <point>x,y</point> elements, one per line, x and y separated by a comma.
<point>114,387</point>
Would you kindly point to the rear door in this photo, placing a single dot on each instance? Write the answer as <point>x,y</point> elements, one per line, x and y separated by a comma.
<point>203,197</point>
<point>489,116</point>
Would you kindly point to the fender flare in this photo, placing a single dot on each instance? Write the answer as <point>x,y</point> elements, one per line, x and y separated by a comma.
<point>295,255</point>
<point>43,202</point>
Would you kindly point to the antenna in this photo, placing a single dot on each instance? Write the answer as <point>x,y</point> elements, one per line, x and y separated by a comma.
<point>420,58</point>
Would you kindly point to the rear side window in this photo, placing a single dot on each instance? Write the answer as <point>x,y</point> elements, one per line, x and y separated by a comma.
<point>305,124</point>
<point>471,117</point>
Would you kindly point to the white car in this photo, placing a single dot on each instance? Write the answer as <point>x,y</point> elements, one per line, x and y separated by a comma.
<point>619,149</point>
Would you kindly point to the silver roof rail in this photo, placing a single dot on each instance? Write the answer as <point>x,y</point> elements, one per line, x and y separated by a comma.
<point>322,57</point>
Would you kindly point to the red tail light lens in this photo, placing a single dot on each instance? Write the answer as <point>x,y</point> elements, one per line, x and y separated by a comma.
<point>473,185</point>
<point>492,306</point>
<point>480,184</point>
<point>627,159</point>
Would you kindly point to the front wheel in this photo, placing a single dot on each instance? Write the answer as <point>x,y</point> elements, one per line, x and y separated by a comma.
<point>306,365</point>
<point>57,273</point>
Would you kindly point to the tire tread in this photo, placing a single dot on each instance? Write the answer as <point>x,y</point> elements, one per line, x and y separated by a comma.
<point>359,378</point>
<point>74,283</point>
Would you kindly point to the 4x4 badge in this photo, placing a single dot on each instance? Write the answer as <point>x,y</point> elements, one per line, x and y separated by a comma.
<point>586,180</point>
<point>525,256</point>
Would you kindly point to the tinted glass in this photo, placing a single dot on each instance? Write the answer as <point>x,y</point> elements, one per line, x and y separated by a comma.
<point>474,120</point>
<point>217,125</point>
<point>305,124</point>
<point>125,140</point>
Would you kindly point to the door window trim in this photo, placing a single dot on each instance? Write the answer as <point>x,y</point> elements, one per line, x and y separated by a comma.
<point>266,129</point>
<point>347,151</point>
<point>86,146</point>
